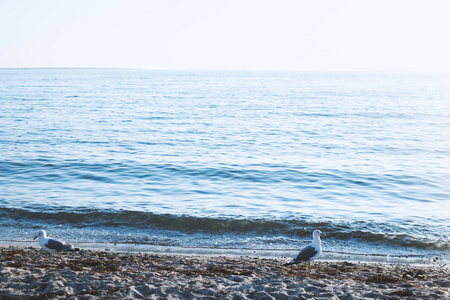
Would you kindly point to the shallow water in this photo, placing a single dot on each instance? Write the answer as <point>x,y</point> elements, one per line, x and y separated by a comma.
<point>229,159</point>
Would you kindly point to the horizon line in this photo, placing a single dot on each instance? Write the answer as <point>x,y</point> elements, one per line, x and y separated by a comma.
<point>232,70</point>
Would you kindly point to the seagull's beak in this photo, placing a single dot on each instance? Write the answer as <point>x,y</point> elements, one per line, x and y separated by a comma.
<point>35,238</point>
<point>323,234</point>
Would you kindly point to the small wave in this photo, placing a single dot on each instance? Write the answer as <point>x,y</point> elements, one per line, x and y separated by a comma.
<point>249,172</point>
<point>190,224</point>
<point>36,170</point>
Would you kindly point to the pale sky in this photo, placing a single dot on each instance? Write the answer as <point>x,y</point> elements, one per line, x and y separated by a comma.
<point>313,35</point>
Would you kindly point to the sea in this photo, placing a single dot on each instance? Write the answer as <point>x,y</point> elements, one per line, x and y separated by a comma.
<point>228,162</point>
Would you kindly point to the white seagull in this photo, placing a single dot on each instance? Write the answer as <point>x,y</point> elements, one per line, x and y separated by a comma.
<point>310,252</point>
<point>53,245</point>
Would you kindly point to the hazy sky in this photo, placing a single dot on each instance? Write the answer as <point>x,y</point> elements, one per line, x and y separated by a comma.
<point>332,35</point>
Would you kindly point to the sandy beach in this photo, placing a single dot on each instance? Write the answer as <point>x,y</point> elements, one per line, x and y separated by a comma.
<point>31,273</point>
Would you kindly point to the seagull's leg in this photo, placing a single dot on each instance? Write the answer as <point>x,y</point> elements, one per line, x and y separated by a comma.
<point>308,268</point>
<point>63,258</point>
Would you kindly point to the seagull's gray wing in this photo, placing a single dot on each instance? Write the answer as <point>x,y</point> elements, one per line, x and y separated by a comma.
<point>305,255</point>
<point>58,245</point>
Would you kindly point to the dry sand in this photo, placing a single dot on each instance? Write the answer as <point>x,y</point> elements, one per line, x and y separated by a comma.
<point>30,273</point>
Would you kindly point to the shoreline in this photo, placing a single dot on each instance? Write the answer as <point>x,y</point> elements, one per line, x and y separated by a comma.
<point>32,273</point>
<point>420,260</point>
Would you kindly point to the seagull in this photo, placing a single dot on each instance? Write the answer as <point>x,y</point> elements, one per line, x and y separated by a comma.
<point>52,245</point>
<point>310,252</point>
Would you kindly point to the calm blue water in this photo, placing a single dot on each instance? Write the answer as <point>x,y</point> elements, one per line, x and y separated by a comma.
<point>229,159</point>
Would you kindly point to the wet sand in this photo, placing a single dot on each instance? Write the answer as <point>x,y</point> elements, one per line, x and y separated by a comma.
<point>31,273</point>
